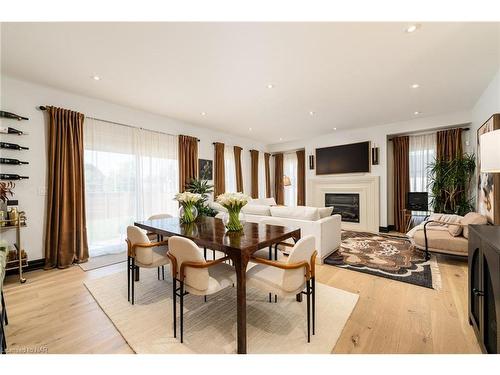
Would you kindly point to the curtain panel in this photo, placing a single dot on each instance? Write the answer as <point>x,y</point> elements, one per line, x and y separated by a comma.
<point>262,176</point>
<point>239,173</point>
<point>279,191</point>
<point>219,175</point>
<point>301,178</point>
<point>65,230</point>
<point>449,144</point>
<point>229,169</point>
<point>267,168</point>
<point>188,160</point>
<point>254,158</point>
<point>401,181</point>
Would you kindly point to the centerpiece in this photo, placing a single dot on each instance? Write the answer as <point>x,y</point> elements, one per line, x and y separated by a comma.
<point>233,203</point>
<point>188,211</point>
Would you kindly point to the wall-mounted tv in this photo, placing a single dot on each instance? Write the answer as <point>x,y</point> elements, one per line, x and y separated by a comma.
<point>351,158</point>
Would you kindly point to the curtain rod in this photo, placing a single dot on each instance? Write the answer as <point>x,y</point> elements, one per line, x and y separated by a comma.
<point>424,132</point>
<point>44,108</point>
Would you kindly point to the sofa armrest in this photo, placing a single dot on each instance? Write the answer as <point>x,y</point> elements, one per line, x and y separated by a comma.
<point>328,235</point>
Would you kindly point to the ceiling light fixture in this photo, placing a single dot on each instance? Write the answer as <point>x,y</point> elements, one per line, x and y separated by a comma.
<point>96,78</point>
<point>415,86</point>
<point>416,113</point>
<point>281,139</point>
<point>334,128</point>
<point>250,129</point>
<point>203,113</point>
<point>270,86</point>
<point>412,28</point>
<point>311,113</point>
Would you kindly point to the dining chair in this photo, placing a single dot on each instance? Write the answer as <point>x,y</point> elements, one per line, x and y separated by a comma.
<point>192,274</point>
<point>153,236</point>
<point>268,253</point>
<point>289,277</point>
<point>143,253</point>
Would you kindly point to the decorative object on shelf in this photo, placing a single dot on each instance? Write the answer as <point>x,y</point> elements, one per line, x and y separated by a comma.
<point>6,190</point>
<point>7,130</point>
<point>10,176</point>
<point>12,116</point>
<point>233,203</point>
<point>16,259</point>
<point>12,146</point>
<point>450,182</point>
<point>12,161</point>
<point>202,187</point>
<point>205,169</point>
<point>488,183</point>
<point>12,212</point>
<point>188,211</point>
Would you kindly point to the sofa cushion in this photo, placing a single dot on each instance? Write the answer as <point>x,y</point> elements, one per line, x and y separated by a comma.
<point>472,218</point>
<point>442,241</point>
<point>300,212</point>
<point>256,209</point>
<point>263,202</point>
<point>325,212</point>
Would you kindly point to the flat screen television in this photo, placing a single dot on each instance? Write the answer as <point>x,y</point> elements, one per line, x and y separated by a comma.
<point>351,158</point>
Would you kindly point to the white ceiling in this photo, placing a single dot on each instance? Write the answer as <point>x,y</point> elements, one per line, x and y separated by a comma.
<point>349,74</point>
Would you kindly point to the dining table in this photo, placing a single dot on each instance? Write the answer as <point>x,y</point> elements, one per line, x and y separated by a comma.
<point>210,233</point>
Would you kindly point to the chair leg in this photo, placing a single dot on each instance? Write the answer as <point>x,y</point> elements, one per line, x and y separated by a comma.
<point>205,298</point>
<point>313,284</point>
<point>213,253</point>
<point>158,271</point>
<point>4,310</point>
<point>276,252</point>
<point>133,275</point>
<point>269,297</point>
<point>271,252</point>
<point>182,312</point>
<point>163,272</point>
<point>4,341</point>
<point>174,303</point>
<point>308,311</point>
<point>205,253</point>
<point>275,298</point>
<point>128,279</point>
<point>298,297</point>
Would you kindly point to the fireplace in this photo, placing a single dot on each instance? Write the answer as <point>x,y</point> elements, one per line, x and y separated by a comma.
<point>344,204</point>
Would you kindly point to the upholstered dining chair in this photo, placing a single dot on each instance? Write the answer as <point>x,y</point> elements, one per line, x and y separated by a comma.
<point>154,236</point>
<point>268,253</point>
<point>192,274</point>
<point>289,277</point>
<point>143,253</point>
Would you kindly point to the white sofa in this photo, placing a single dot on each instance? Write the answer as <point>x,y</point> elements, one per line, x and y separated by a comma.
<point>315,221</point>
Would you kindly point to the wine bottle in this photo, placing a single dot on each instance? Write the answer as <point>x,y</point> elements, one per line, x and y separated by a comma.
<point>12,116</point>
<point>6,130</point>
<point>12,161</point>
<point>12,146</point>
<point>8,176</point>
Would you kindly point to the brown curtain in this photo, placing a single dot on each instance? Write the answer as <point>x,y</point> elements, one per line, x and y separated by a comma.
<point>219,178</point>
<point>254,157</point>
<point>268,174</point>
<point>188,160</point>
<point>239,174</point>
<point>301,178</point>
<point>401,180</point>
<point>65,231</point>
<point>449,144</point>
<point>279,190</point>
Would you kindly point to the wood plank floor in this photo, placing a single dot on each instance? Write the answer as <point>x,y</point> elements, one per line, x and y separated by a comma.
<point>54,312</point>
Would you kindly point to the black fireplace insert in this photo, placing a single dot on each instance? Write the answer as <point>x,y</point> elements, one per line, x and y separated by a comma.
<point>344,204</point>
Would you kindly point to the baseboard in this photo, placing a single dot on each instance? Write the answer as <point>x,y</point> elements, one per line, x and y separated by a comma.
<point>33,265</point>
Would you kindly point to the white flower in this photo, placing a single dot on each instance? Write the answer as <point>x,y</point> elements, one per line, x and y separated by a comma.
<point>187,197</point>
<point>233,200</point>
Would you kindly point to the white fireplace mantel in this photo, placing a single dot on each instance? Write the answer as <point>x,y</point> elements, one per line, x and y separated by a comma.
<point>366,186</point>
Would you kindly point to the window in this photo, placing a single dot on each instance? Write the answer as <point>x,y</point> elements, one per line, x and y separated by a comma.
<point>229,169</point>
<point>290,170</point>
<point>422,153</point>
<point>262,175</point>
<point>130,174</point>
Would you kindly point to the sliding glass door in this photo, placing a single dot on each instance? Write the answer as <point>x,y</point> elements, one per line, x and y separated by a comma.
<point>130,174</point>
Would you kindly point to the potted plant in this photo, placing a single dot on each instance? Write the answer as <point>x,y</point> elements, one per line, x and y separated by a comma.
<point>233,203</point>
<point>202,187</point>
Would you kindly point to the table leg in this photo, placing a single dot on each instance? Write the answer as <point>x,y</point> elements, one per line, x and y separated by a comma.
<point>240,266</point>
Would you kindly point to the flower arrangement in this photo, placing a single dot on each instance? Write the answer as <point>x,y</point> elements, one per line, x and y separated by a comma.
<point>188,201</point>
<point>233,202</point>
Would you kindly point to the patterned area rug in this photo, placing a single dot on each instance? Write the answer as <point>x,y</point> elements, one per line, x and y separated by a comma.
<point>388,256</point>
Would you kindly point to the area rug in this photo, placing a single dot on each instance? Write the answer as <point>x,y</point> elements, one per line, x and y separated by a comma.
<point>392,257</point>
<point>103,261</point>
<point>211,327</point>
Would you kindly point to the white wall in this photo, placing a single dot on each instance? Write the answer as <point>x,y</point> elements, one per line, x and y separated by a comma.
<point>378,136</point>
<point>23,98</point>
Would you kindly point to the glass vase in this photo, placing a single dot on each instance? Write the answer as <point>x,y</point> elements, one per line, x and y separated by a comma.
<point>188,213</point>
<point>233,220</point>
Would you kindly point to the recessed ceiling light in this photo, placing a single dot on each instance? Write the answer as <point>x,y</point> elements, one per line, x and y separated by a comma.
<point>250,129</point>
<point>416,113</point>
<point>281,139</point>
<point>412,28</point>
<point>203,113</point>
<point>311,113</point>
<point>270,86</point>
<point>415,86</point>
<point>96,78</point>
<point>334,128</point>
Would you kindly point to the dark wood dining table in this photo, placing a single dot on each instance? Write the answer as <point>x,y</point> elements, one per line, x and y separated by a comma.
<point>210,233</point>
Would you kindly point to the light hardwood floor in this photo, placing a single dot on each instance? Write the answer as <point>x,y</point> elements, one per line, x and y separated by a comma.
<point>54,311</point>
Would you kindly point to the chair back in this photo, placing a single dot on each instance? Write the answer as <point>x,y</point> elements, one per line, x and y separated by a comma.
<point>184,250</point>
<point>159,216</point>
<point>135,236</point>
<point>301,252</point>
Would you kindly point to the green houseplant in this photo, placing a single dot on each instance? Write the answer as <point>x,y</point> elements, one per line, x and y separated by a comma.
<point>202,187</point>
<point>450,182</point>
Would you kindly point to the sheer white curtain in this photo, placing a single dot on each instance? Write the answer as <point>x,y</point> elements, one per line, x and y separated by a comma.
<point>262,175</point>
<point>290,169</point>
<point>130,174</point>
<point>229,169</point>
<point>422,153</point>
